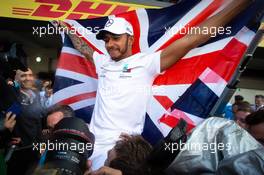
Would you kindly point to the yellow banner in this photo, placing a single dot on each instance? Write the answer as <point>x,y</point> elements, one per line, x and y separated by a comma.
<point>48,10</point>
<point>63,9</point>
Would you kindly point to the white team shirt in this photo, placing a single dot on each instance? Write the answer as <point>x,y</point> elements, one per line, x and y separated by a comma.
<point>124,90</point>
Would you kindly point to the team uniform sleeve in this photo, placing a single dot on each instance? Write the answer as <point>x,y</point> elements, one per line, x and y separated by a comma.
<point>152,63</point>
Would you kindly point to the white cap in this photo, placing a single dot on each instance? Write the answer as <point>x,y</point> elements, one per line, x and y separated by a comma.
<point>117,26</point>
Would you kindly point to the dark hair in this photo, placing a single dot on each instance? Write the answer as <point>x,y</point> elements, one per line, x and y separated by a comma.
<point>244,106</point>
<point>48,87</point>
<point>259,96</point>
<point>131,154</point>
<point>65,109</point>
<point>239,98</point>
<point>255,118</point>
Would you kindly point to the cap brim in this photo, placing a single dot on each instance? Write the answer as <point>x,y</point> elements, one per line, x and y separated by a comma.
<point>101,34</point>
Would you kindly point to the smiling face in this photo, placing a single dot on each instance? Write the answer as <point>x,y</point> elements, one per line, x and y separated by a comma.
<point>25,79</point>
<point>259,101</point>
<point>118,46</point>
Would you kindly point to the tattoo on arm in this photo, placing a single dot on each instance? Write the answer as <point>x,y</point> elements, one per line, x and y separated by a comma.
<point>82,47</point>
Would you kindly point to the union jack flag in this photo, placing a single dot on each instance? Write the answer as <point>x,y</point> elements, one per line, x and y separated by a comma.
<point>187,90</point>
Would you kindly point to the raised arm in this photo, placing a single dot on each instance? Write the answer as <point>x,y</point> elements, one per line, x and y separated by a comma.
<point>79,44</point>
<point>178,49</point>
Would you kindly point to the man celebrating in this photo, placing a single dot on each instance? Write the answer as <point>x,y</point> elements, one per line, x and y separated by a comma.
<point>125,80</point>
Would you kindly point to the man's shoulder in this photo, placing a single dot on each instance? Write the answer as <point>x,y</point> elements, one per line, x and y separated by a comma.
<point>101,55</point>
<point>100,58</point>
<point>145,55</point>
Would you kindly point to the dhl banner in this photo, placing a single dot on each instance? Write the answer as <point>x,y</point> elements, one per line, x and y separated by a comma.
<point>63,9</point>
<point>48,10</point>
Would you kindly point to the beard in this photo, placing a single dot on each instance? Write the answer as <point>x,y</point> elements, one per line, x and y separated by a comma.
<point>116,53</point>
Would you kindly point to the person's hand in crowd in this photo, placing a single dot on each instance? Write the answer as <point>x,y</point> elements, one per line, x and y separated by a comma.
<point>45,84</point>
<point>10,82</point>
<point>88,165</point>
<point>15,140</point>
<point>10,121</point>
<point>106,171</point>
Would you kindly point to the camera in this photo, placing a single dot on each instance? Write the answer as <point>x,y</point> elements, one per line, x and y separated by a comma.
<point>71,144</point>
<point>176,136</point>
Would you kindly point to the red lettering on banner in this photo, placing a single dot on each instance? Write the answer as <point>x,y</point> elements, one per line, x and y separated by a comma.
<point>45,10</point>
<point>85,7</point>
<point>119,9</point>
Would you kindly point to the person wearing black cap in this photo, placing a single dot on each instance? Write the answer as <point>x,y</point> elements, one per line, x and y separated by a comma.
<point>125,80</point>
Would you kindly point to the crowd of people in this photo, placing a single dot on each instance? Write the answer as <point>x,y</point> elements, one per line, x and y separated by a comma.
<point>26,121</point>
<point>35,124</point>
<point>240,109</point>
<point>128,156</point>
